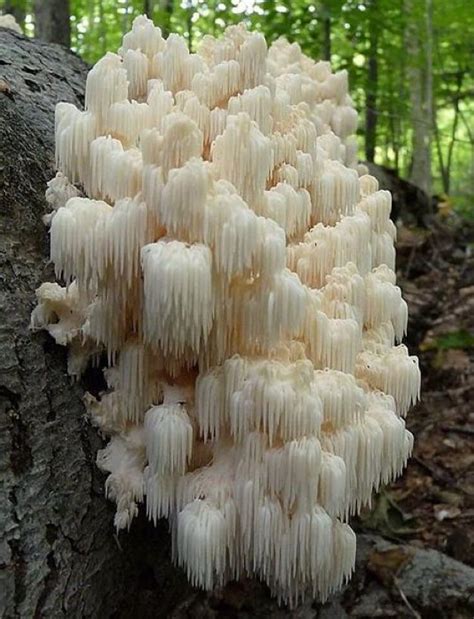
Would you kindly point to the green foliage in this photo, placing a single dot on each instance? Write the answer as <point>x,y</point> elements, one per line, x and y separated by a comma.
<point>357,34</point>
<point>454,340</point>
<point>448,344</point>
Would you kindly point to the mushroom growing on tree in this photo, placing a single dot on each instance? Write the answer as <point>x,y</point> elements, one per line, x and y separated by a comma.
<point>219,242</point>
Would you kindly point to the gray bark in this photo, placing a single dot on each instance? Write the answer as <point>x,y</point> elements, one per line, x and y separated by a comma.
<point>52,21</point>
<point>420,74</point>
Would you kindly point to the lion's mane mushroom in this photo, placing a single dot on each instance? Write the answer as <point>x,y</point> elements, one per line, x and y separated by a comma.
<point>236,264</point>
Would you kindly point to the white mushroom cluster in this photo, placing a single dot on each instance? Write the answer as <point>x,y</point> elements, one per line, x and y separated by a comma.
<point>236,267</point>
<point>8,21</point>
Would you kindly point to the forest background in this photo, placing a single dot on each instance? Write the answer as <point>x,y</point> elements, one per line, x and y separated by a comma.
<point>409,63</point>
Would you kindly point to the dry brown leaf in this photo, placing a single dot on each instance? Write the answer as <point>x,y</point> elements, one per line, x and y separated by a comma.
<point>445,512</point>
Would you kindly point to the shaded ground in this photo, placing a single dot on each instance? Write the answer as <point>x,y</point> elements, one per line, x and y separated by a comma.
<point>436,494</point>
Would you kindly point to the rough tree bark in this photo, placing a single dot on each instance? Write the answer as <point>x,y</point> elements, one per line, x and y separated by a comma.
<point>52,21</point>
<point>58,552</point>
<point>59,555</point>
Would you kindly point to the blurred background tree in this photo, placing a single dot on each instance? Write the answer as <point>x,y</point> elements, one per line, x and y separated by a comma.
<point>409,62</point>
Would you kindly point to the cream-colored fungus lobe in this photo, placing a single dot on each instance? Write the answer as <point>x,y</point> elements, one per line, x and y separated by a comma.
<point>9,21</point>
<point>221,244</point>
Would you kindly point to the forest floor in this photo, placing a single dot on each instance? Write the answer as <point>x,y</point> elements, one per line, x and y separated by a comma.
<point>433,503</point>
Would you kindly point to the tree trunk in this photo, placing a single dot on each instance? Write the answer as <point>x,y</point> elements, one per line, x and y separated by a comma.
<point>372,85</point>
<point>148,7</point>
<point>420,77</point>
<point>52,21</point>
<point>103,27</point>
<point>125,21</point>
<point>166,11</point>
<point>189,22</point>
<point>326,18</point>
<point>454,127</point>
<point>428,94</point>
<point>394,123</point>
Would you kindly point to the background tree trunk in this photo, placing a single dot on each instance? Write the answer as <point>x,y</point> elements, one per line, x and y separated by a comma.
<point>326,19</point>
<point>420,76</point>
<point>52,21</point>
<point>372,84</point>
<point>165,8</point>
<point>148,8</point>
